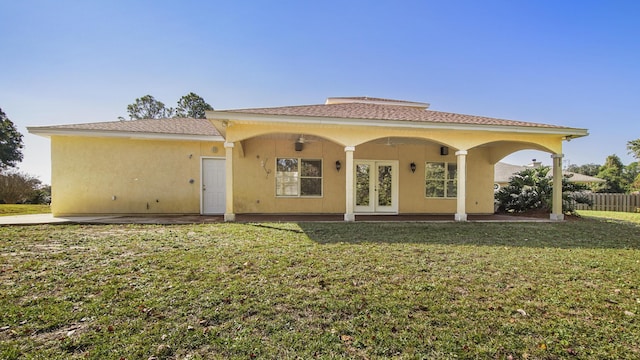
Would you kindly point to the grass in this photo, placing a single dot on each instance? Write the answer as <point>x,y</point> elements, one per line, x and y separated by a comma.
<point>611,215</point>
<point>321,290</point>
<point>23,209</point>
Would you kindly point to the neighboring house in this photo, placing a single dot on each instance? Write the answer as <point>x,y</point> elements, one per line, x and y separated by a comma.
<point>349,156</point>
<point>503,173</point>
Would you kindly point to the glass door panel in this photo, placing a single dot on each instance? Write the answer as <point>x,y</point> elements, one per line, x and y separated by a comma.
<point>385,192</point>
<point>363,173</point>
<point>376,186</point>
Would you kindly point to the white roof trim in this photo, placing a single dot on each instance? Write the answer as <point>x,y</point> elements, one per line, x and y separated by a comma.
<point>239,116</point>
<point>48,132</point>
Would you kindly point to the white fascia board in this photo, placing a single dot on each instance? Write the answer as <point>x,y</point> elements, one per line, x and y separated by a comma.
<point>48,132</point>
<point>263,118</point>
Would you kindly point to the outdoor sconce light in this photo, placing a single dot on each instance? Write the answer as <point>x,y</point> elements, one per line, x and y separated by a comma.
<point>444,150</point>
<point>298,146</point>
<point>338,165</point>
<point>413,167</point>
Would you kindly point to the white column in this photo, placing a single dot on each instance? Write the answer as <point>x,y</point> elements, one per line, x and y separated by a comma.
<point>461,209</point>
<point>349,185</point>
<point>556,210</point>
<point>229,215</point>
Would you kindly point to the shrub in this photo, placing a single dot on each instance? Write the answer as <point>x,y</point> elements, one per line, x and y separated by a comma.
<point>532,189</point>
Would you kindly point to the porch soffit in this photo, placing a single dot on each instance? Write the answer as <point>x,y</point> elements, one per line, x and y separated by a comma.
<point>354,135</point>
<point>347,132</point>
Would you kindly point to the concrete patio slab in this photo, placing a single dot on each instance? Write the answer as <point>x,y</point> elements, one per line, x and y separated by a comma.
<point>36,219</point>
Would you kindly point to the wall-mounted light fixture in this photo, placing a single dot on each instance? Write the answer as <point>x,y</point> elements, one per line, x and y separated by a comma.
<point>298,145</point>
<point>413,167</point>
<point>444,150</point>
<point>338,165</point>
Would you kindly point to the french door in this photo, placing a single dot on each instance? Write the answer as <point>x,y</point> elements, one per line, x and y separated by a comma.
<point>376,186</point>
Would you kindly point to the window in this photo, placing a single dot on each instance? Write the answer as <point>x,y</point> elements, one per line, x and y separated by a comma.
<point>298,177</point>
<point>441,180</point>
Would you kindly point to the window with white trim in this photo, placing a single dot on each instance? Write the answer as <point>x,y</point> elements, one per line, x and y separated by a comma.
<point>441,180</point>
<point>298,177</point>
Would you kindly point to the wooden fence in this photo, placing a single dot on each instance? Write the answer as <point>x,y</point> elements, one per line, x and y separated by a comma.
<point>612,202</point>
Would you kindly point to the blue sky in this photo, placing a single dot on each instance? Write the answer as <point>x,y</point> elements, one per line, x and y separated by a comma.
<point>571,63</point>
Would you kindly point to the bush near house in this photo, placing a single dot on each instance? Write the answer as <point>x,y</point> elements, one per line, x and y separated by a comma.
<point>21,188</point>
<point>532,189</point>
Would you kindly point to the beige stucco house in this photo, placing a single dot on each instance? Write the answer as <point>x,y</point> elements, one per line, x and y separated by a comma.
<point>349,156</point>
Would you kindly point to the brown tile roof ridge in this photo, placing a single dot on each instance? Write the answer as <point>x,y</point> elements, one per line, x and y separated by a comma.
<point>181,126</point>
<point>366,111</point>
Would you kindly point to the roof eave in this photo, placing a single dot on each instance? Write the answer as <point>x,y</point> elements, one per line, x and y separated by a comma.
<point>567,133</point>
<point>49,131</point>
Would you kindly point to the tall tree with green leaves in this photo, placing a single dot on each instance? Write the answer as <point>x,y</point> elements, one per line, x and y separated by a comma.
<point>10,143</point>
<point>147,107</point>
<point>612,173</point>
<point>192,106</point>
<point>634,148</point>
<point>586,169</point>
<point>631,176</point>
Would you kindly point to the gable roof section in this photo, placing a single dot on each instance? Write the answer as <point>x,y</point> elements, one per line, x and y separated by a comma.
<point>173,128</point>
<point>385,112</point>
<point>365,111</point>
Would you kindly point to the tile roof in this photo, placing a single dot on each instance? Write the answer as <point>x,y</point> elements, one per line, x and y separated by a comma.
<point>181,126</point>
<point>368,111</point>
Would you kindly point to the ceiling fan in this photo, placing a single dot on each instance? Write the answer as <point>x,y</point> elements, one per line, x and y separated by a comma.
<point>390,142</point>
<point>302,139</point>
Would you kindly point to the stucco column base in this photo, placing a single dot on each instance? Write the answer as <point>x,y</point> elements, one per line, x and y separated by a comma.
<point>349,217</point>
<point>229,217</point>
<point>460,217</point>
<point>556,217</point>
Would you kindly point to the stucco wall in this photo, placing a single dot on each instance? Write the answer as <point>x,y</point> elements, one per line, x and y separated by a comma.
<point>254,185</point>
<point>254,188</point>
<point>126,176</point>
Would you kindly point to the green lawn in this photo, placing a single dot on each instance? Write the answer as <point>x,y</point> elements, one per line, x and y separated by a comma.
<point>322,290</point>
<point>611,215</point>
<point>23,209</point>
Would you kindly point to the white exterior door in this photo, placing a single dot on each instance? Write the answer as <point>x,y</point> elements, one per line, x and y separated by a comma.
<point>376,185</point>
<point>213,186</point>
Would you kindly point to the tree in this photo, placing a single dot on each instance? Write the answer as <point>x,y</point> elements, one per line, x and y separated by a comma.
<point>192,106</point>
<point>16,187</point>
<point>147,107</point>
<point>586,169</point>
<point>612,173</point>
<point>10,143</point>
<point>532,189</point>
<point>631,177</point>
<point>634,148</point>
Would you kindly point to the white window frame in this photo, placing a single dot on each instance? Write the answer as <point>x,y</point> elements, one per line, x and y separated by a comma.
<point>297,178</point>
<point>445,181</point>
